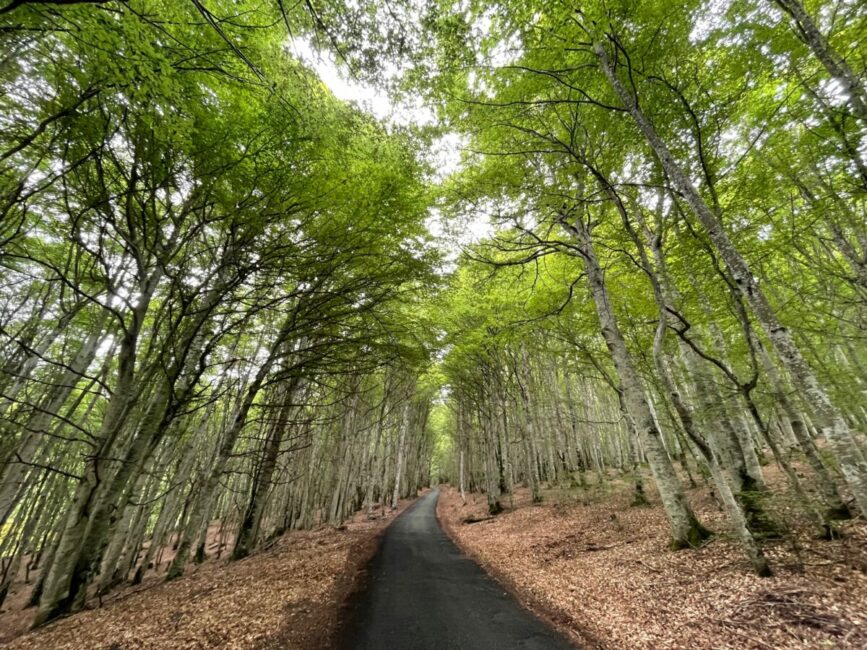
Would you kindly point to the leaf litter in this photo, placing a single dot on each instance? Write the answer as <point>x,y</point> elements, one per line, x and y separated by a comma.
<point>290,595</point>
<point>601,572</point>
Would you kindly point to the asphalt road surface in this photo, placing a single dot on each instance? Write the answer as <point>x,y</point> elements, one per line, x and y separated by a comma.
<point>424,594</point>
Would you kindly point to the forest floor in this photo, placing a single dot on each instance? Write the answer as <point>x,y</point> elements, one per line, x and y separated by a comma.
<point>601,571</point>
<point>290,595</point>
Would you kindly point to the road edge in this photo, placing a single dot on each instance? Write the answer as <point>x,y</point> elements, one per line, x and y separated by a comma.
<point>554,619</point>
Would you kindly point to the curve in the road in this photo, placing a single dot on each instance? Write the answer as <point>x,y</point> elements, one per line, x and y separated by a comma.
<point>424,594</point>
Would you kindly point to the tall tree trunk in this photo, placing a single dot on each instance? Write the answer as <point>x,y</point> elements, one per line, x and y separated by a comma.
<point>66,583</point>
<point>261,484</point>
<point>38,424</point>
<point>686,530</point>
<point>202,502</point>
<point>401,452</point>
<point>831,421</point>
<point>805,27</point>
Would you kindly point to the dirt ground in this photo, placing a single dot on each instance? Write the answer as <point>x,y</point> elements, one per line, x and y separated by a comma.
<point>290,595</point>
<point>601,571</point>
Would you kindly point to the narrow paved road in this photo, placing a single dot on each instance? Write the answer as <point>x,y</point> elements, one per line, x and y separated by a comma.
<point>424,594</point>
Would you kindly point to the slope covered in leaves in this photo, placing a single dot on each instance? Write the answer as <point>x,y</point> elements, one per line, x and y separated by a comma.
<point>601,571</point>
<point>290,595</point>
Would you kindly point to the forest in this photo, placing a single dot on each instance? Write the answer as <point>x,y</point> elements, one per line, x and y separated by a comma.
<point>269,269</point>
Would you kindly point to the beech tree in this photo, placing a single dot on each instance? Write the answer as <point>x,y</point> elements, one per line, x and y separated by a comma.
<point>652,147</point>
<point>224,315</point>
<point>200,245</point>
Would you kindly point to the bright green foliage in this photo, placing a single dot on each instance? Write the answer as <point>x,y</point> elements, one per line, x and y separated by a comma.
<point>211,269</point>
<point>216,275</point>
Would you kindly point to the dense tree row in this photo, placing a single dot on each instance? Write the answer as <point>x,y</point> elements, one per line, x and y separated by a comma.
<point>680,199</point>
<point>218,298</point>
<point>208,267</point>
